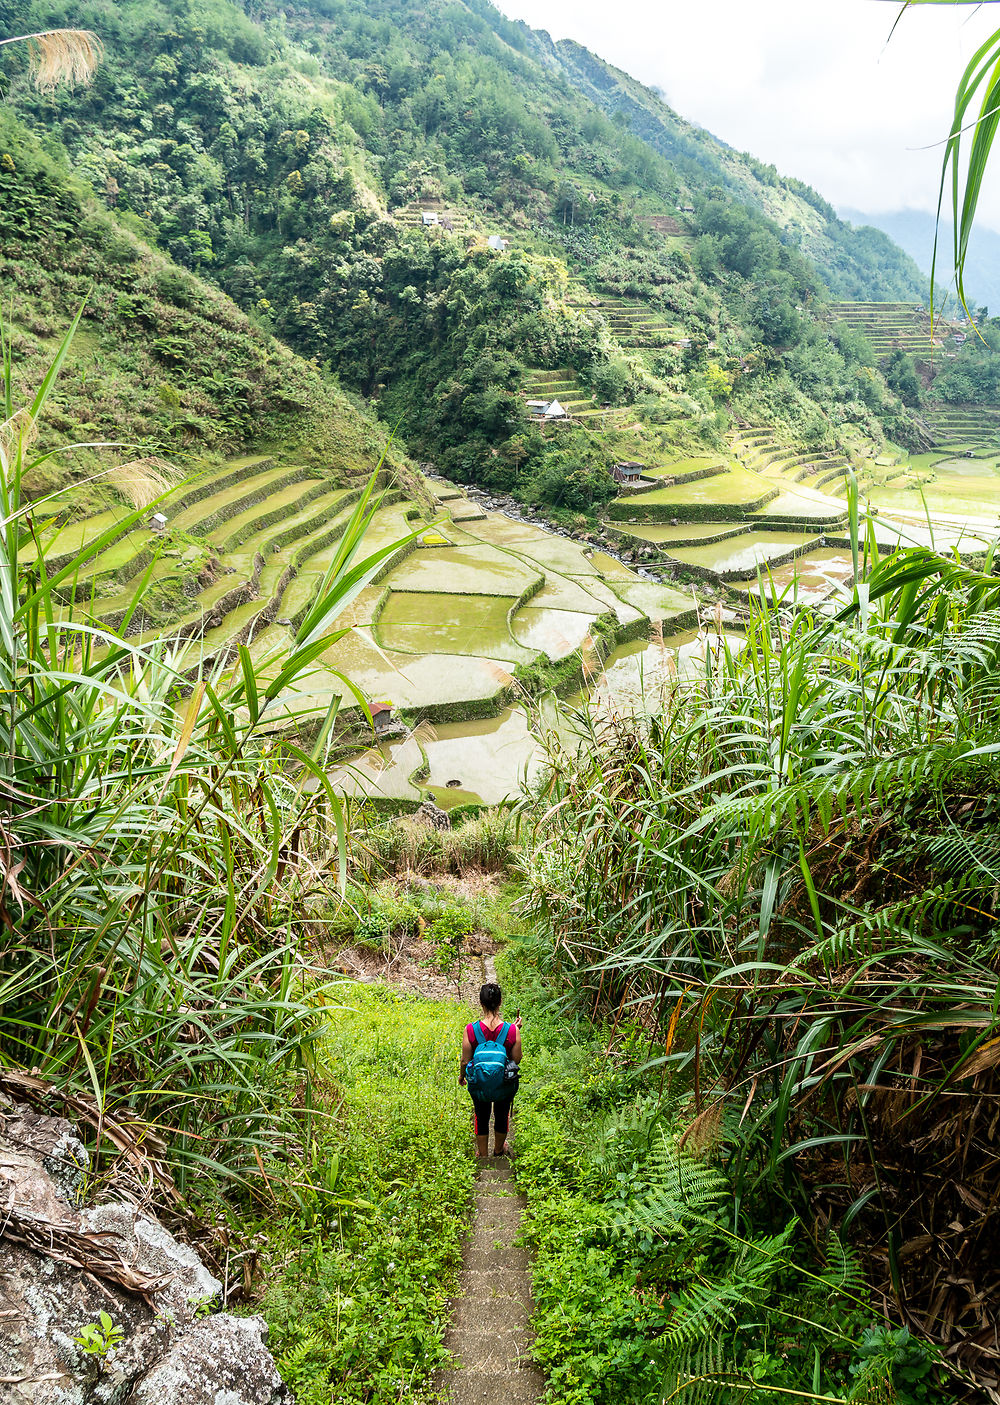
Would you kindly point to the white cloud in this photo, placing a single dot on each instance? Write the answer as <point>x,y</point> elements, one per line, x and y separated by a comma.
<point>814,86</point>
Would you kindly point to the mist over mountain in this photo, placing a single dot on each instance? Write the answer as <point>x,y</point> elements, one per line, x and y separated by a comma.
<point>913,231</point>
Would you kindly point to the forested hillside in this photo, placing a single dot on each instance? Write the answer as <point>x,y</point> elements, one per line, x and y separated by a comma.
<point>163,363</point>
<point>289,155</point>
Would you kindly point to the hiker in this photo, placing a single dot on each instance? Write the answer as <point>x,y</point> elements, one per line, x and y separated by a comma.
<point>491,1052</point>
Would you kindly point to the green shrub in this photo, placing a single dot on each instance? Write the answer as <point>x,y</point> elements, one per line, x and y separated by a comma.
<point>448,933</point>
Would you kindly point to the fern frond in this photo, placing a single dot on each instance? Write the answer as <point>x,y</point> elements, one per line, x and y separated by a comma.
<point>842,1272</point>
<point>699,1377</point>
<point>712,1306</point>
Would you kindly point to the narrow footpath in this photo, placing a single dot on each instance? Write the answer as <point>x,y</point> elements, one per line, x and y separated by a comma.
<point>489,1334</point>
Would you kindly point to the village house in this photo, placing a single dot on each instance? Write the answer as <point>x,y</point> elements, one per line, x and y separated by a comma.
<point>627,471</point>
<point>429,218</point>
<point>497,242</point>
<point>546,410</point>
<point>382,718</point>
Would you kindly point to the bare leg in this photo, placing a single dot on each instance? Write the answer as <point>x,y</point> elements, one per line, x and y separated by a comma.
<point>501,1115</point>
<point>483,1146</point>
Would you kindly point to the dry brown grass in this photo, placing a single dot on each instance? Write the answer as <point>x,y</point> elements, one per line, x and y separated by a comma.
<point>61,56</point>
<point>141,481</point>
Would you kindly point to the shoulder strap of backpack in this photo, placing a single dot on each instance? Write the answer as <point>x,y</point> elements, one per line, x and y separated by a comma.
<point>502,1036</point>
<point>477,1030</point>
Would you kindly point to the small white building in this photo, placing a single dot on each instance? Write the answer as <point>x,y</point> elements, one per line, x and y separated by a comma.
<point>429,218</point>
<point>554,411</point>
<point>157,522</point>
<point>497,242</point>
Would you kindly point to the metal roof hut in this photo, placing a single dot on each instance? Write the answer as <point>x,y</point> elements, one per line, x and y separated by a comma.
<point>382,718</point>
<point>627,472</point>
<point>554,411</point>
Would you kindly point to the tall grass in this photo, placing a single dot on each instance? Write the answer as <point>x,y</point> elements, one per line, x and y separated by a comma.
<point>158,845</point>
<point>789,873</point>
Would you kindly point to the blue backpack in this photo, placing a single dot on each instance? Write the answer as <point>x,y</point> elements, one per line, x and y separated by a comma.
<point>487,1075</point>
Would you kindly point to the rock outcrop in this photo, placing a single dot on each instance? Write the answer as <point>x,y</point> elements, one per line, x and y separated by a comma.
<point>430,814</point>
<point>64,1262</point>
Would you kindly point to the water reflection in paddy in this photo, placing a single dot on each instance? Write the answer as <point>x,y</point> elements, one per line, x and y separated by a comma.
<point>489,759</point>
<point>638,675</point>
<point>807,579</point>
<point>743,553</point>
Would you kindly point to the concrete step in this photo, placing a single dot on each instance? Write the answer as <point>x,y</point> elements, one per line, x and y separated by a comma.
<point>522,1387</point>
<point>494,1349</point>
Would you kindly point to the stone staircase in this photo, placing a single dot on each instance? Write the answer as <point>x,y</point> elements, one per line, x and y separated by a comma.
<point>490,1335</point>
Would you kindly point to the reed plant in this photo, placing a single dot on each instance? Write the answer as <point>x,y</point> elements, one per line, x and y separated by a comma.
<point>787,871</point>
<point>161,833</point>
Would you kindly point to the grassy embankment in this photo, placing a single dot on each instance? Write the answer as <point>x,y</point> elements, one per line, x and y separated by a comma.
<point>162,363</point>
<point>360,1275</point>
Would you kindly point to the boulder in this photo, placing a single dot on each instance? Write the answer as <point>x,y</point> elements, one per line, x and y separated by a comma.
<point>63,1264</point>
<point>430,814</point>
<point>223,1359</point>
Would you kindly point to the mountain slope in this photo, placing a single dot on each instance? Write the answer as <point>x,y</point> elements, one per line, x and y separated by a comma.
<point>163,363</point>
<point>292,156</point>
<point>854,263</point>
<point>913,230</point>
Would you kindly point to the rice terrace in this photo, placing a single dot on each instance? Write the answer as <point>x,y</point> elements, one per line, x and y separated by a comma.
<point>500,625</point>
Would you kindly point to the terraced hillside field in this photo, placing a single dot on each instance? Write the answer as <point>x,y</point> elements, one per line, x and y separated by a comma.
<point>636,325</point>
<point>576,399</point>
<point>768,513</point>
<point>888,326</point>
<point>964,428</point>
<point>455,626</point>
<point>728,518</point>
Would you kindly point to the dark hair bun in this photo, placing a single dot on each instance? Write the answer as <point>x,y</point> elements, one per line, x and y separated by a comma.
<point>490,997</point>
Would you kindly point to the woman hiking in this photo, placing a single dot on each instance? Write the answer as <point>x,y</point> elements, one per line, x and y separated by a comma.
<point>491,1050</point>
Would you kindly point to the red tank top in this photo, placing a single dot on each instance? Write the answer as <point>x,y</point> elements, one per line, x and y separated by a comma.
<point>509,1042</point>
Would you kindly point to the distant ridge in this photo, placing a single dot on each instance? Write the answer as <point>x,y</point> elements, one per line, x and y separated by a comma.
<point>913,231</point>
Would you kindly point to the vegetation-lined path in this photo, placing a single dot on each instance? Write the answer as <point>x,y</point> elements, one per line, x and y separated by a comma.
<point>490,1335</point>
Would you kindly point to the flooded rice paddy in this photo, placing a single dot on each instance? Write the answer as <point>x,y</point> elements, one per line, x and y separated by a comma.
<point>444,630</point>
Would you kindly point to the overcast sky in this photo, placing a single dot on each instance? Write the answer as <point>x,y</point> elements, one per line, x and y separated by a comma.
<point>812,85</point>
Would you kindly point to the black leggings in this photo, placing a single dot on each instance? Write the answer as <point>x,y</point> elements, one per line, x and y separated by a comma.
<point>501,1116</point>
